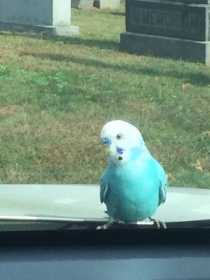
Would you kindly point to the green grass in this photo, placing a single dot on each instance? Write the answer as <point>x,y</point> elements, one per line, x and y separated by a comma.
<point>55,95</point>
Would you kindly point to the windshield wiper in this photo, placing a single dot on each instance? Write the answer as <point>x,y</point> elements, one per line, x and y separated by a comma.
<point>46,222</point>
<point>70,223</point>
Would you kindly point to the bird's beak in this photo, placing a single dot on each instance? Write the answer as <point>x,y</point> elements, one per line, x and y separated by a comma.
<point>106,141</point>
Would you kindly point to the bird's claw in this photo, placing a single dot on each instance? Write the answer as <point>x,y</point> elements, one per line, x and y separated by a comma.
<point>105,226</point>
<point>158,224</point>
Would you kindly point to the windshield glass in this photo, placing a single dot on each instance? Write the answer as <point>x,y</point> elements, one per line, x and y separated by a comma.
<point>66,72</point>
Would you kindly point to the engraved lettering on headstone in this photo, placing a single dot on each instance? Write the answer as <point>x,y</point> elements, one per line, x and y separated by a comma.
<point>165,20</point>
<point>209,24</point>
<point>192,23</point>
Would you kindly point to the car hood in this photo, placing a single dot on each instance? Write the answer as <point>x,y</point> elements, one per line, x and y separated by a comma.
<point>82,201</point>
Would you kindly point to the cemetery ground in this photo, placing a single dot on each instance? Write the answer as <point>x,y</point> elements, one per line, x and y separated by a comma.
<point>55,95</point>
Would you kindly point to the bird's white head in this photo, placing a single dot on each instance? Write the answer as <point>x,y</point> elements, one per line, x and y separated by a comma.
<point>123,140</point>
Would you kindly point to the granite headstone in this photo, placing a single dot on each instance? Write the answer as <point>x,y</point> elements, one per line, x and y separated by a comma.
<point>107,4</point>
<point>49,16</point>
<point>82,4</point>
<point>168,28</point>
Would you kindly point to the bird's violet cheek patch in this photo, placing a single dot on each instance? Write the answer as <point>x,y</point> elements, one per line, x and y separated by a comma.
<point>120,151</point>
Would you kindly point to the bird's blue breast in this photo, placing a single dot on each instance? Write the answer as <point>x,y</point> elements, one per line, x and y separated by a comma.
<point>133,190</point>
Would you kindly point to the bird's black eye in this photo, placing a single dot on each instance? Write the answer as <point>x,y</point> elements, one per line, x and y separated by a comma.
<point>118,136</point>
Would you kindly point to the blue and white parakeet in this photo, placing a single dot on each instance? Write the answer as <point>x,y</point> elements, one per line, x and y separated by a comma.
<point>134,183</point>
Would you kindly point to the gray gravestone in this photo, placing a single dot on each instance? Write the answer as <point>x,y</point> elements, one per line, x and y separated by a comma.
<point>168,28</point>
<point>107,4</point>
<point>82,4</point>
<point>49,16</point>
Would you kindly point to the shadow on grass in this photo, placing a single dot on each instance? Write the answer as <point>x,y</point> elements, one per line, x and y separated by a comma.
<point>101,44</point>
<point>200,79</point>
<point>118,13</point>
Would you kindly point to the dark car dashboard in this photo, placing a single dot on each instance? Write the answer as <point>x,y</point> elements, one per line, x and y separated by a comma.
<point>118,253</point>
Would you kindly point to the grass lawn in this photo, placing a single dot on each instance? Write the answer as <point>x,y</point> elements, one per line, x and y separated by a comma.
<point>56,94</point>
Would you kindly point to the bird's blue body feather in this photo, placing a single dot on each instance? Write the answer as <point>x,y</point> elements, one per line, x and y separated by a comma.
<point>134,190</point>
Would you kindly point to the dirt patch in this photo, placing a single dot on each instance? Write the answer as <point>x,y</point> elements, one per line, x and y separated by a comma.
<point>8,110</point>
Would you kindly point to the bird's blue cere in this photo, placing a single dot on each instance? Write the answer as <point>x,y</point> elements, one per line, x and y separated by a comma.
<point>106,141</point>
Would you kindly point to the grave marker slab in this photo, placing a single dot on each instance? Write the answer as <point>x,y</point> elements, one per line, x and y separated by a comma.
<point>48,16</point>
<point>168,28</point>
<point>82,4</point>
<point>107,4</point>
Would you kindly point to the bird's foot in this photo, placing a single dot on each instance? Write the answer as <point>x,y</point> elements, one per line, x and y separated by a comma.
<point>105,226</point>
<point>158,224</point>
<point>109,224</point>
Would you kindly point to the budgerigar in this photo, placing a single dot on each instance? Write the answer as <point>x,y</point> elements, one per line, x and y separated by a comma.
<point>134,183</point>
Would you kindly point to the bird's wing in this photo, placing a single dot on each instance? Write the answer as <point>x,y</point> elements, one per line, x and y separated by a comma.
<point>104,189</point>
<point>163,184</point>
<point>162,192</point>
